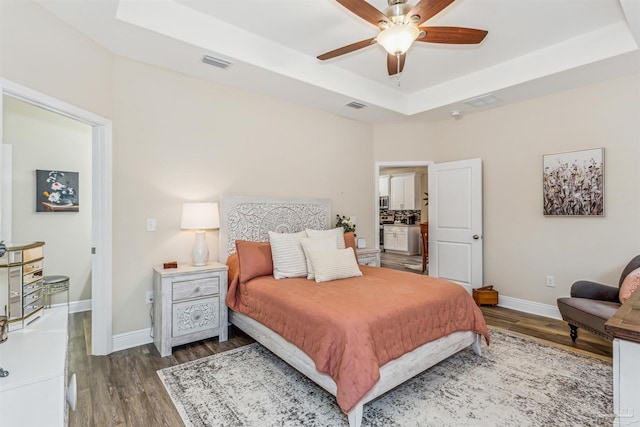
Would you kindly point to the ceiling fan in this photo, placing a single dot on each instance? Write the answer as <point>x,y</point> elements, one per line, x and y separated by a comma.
<point>400,27</point>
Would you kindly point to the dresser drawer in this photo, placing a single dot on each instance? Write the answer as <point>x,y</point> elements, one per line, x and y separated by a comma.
<point>196,288</point>
<point>195,316</point>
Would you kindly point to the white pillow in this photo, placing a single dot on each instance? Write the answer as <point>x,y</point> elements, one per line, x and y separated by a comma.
<point>333,265</point>
<point>287,254</point>
<point>310,245</point>
<point>337,232</point>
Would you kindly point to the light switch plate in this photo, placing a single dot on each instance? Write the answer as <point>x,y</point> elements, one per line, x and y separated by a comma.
<point>151,224</point>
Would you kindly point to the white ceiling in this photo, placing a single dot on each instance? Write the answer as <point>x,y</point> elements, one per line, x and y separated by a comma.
<point>534,47</point>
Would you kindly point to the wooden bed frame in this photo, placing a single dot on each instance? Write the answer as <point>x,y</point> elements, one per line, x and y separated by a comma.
<point>250,218</point>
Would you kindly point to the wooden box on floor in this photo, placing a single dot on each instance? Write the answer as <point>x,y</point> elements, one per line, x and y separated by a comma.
<point>485,296</point>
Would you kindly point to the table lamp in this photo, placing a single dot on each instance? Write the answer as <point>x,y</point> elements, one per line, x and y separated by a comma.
<point>200,217</point>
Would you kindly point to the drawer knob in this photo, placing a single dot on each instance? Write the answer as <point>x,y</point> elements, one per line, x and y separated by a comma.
<point>197,289</point>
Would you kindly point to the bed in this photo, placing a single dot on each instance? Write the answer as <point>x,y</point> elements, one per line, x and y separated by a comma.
<point>356,362</point>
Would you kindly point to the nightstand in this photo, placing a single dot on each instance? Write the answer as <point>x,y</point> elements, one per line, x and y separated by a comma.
<point>189,305</point>
<point>369,256</point>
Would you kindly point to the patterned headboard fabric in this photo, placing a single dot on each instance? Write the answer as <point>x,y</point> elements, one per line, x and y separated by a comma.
<point>251,218</point>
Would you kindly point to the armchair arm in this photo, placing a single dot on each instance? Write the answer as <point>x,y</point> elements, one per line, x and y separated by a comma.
<point>593,290</point>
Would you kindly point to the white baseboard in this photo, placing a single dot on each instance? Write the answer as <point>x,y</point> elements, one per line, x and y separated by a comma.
<point>80,306</point>
<point>132,339</point>
<point>76,306</point>
<point>532,307</point>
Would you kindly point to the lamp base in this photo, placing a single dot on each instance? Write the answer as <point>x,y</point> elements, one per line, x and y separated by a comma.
<point>200,252</point>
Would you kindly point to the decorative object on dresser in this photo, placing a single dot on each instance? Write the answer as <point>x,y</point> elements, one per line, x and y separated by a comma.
<point>573,183</point>
<point>214,391</point>
<point>200,217</point>
<point>189,305</point>
<point>21,269</point>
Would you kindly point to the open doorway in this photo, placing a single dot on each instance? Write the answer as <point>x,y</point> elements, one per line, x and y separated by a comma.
<point>402,205</point>
<point>101,212</point>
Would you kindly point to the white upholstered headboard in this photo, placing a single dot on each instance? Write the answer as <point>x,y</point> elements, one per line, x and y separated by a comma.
<point>251,218</point>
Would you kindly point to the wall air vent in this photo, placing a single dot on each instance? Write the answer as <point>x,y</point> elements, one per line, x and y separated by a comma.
<point>216,62</point>
<point>482,101</point>
<point>355,104</point>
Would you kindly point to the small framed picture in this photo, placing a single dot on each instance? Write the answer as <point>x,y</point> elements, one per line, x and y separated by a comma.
<point>57,191</point>
<point>573,183</point>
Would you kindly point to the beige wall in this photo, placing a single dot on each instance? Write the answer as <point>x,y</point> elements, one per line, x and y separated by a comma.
<point>178,139</point>
<point>48,141</point>
<point>521,246</point>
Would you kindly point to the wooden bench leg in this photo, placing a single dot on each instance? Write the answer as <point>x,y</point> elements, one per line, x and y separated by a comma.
<point>574,332</point>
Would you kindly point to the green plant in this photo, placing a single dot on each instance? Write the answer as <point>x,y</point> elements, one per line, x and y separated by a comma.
<point>346,223</point>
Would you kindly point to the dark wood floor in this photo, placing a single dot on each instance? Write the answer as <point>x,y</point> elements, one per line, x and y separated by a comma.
<point>123,389</point>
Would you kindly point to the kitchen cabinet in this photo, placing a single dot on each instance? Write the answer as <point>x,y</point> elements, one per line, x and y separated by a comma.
<point>404,192</point>
<point>383,185</point>
<point>402,238</point>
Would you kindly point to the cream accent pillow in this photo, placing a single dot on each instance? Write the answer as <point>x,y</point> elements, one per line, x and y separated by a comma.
<point>310,245</point>
<point>288,256</point>
<point>337,232</point>
<point>333,265</point>
<point>629,285</point>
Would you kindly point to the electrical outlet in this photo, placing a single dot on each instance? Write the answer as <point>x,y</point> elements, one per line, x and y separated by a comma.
<point>151,224</point>
<point>149,297</point>
<point>551,281</point>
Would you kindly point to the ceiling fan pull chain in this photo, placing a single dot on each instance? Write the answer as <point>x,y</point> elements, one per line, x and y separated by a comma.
<point>398,73</point>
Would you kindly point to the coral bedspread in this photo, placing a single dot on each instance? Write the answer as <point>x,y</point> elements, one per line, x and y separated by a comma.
<point>353,326</point>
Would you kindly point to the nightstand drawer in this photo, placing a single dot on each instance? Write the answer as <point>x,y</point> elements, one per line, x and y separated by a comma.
<point>195,316</point>
<point>196,288</point>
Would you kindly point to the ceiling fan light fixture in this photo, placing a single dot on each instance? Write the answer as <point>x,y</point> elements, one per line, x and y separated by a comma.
<point>397,39</point>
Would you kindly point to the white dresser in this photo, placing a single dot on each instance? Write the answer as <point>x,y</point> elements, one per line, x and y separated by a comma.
<point>34,394</point>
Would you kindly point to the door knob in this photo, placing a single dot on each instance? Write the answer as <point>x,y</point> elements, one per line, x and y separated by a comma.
<point>476,237</point>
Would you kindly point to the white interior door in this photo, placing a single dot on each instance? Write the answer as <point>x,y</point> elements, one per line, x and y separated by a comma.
<point>455,222</point>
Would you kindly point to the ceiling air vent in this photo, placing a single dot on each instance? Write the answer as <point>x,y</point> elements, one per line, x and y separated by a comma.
<point>482,101</point>
<point>216,62</point>
<point>356,105</point>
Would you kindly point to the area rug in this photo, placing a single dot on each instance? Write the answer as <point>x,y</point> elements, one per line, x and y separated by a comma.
<point>517,381</point>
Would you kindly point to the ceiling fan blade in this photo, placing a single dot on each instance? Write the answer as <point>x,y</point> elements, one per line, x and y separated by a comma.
<point>347,49</point>
<point>426,9</point>
<point>452,35</point>
<point>392,63</point>
<point>365,11</point>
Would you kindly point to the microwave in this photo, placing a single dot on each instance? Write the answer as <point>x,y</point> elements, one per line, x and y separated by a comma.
<point>384,202</point>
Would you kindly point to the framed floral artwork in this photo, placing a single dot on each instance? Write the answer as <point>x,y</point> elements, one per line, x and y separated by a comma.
<point>573,183</point>
<point>57,191</point>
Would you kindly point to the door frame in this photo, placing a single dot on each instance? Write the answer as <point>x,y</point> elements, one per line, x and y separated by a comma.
<point>376,191</point>
<point>101,214</point>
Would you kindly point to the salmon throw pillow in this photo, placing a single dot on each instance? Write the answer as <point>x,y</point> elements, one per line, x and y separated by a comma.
<point>254,259</point>
<point>629,285</point>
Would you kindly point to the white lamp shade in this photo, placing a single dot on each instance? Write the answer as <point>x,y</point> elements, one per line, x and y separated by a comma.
<point>397,39</point>
<point>200,216</point>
